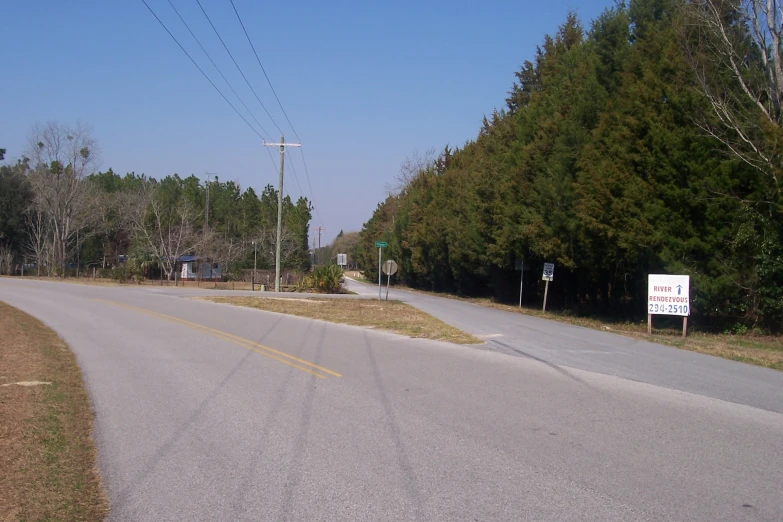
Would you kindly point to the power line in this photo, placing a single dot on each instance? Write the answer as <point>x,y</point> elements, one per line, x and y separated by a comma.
<point>279,103</point>
<point>218,69</point>
<point>201,70</point>
<point>264,70</point>
<point>238,67</point>
<point>315,207</point>
<point>293,170</point>
<point>307,175</point>
<point>271,158</point>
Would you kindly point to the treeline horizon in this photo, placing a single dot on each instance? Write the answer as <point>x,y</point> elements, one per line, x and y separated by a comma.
<point>623,150</point>
<point>57,212</point>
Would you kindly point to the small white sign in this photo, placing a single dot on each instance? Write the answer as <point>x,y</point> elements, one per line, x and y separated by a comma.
<point>342,259</point>
<point>669,294</point>
<point>549,272</point>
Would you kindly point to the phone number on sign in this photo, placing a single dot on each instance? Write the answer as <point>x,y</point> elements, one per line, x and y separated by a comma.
<point>667,308</point>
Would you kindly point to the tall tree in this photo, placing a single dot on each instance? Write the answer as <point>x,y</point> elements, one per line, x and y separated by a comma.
<point>61,158</point>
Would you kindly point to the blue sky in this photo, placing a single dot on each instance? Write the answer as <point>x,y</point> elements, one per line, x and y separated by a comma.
<point>364,84</point>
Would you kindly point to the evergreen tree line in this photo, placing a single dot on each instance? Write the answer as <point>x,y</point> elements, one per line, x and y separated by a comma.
<point>623,150</point>
<point>57,216</point>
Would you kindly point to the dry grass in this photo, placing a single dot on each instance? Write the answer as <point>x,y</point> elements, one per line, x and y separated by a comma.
<point>47,456</point>
<point>80,280</point>
<point>209,285</point>
<point>384,315</point>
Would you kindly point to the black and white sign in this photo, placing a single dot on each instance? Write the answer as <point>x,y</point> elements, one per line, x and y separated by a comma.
<point>669,295</point>
<point>342,259</point>
<point>549,272</point>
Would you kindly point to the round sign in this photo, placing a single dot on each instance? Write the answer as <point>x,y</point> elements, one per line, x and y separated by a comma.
<point>390,267</point>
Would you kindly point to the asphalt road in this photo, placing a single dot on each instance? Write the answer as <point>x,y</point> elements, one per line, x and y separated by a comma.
<point>563,345</point>
<point>210,412</point>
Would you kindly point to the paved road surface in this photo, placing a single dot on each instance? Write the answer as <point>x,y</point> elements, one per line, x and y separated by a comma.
<point>559,344</point>
<point>210,412</point>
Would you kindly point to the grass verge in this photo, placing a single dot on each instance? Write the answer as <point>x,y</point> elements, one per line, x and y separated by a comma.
<point>47,455</point>
<point>393,316</point>
<point>204,285</point>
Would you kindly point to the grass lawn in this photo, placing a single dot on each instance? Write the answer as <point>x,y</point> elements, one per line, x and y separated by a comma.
<point>47,455</point>
<point>384,315</point>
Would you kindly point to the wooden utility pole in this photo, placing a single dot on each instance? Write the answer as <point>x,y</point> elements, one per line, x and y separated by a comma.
<point>197,262</point>
<point>319,229</point>
<point>206,203</point>
<point>282,146</point>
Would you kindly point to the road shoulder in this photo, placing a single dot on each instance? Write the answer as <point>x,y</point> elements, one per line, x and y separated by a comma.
<point>47,452</point>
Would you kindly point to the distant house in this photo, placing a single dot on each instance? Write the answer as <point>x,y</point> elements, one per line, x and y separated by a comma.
<point>193,268</point>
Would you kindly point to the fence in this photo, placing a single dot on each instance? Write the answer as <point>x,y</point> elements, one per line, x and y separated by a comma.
<point>267,277</point>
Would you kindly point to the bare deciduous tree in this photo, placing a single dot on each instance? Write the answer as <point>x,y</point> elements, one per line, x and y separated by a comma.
<point>735,49</point>
<point>165,230</point>
<point>413,165</point>
<point>6,259</point>
<point>38,236</point>
<point>229,250</point>
<point>61,157</point>
<point>266,238</point>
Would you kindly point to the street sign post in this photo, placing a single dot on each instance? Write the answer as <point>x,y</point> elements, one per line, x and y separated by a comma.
<point>389,268</point>
<point>520,265</point>
<point>549,275</point>
<point>380,245</point>
<point>668,295</point>
<point>342,260</point>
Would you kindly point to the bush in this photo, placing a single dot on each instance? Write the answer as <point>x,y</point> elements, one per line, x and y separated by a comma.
<point>325,279</point>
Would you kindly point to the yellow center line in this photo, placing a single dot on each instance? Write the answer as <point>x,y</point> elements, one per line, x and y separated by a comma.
<point>305,366</point>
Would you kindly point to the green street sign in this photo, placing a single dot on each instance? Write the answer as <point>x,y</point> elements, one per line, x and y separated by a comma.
<point>381,244</point>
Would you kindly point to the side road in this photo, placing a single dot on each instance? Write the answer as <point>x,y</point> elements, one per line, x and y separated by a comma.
<point>562,345</point>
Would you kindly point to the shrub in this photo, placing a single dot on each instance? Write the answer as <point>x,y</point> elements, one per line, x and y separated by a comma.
<point>325,279</point>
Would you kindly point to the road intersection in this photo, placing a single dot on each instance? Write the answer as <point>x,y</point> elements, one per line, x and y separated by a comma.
<point>211,412</point>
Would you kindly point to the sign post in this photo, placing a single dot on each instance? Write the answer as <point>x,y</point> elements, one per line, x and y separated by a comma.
<point>520,265</point>
<point>342,260</point>
<point>389,268</point>
<point>668,295</point>
<point>380,245</point>
<point>549,275</point>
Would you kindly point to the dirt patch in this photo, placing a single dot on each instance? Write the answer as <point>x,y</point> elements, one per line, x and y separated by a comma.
<point>47,455</point>
<point>393,316</point>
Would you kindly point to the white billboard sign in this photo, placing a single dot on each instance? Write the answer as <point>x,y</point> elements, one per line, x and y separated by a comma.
<point>669,295</point>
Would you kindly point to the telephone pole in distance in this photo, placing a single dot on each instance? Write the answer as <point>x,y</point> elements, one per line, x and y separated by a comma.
<point>282,146</point>
<point>319,229</point>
